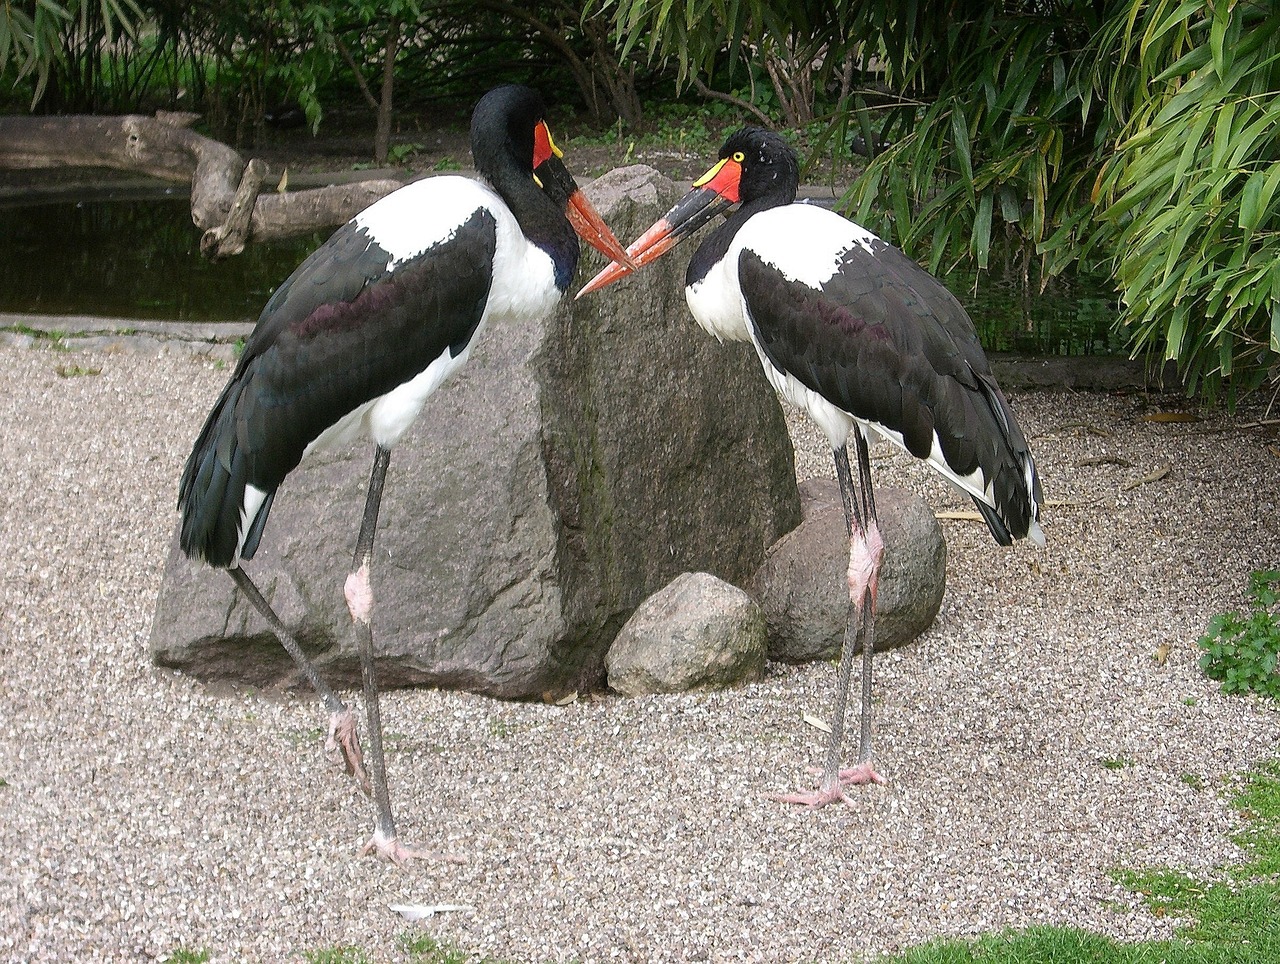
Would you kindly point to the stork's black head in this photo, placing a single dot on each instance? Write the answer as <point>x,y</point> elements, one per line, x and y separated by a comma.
<point>757,168</point>
<point>768,165</point>
<point>502,129</point>
<point>512,148</point>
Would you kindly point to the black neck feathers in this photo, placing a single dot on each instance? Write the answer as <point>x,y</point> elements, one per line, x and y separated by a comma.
<point>502,145</point>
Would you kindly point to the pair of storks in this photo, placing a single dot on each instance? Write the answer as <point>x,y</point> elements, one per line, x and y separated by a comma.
<point>367,327</point>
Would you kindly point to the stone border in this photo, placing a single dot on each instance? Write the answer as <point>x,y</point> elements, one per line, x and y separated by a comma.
<point>85,332</point>
<point>1086,373</point>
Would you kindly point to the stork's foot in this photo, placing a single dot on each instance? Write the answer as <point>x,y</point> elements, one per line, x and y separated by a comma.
<point>343,747</point>
<point>393,851</point>
<point>863,773</point>
<point>824,796</point>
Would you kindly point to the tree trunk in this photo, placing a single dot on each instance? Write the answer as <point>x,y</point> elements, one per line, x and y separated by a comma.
<point>164,147</point>
<point>382,135</point>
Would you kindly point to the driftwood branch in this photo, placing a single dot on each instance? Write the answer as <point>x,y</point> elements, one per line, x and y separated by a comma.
<point>228,239</point>
<point>164,146</point>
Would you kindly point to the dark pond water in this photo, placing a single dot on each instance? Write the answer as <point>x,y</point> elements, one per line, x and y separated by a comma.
<point>129,257</point>
<point>1070,317</point>
<point>125,255</point>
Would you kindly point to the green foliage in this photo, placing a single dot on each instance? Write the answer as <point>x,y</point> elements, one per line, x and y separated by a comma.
<point>35,35</point>
<point>694,33</point>
<point>1142,138</point>
<point>1190,200</point>
<point>790,50</point>
<point>987,156</point>
<point>30,36</point>
<point>1241,649</point>
<point>399,153</point>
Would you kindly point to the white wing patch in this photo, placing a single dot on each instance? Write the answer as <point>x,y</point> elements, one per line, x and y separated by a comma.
<point>522,287</point>
<point>806,243</point>
<point>253,499</point>
<point>423,214</point>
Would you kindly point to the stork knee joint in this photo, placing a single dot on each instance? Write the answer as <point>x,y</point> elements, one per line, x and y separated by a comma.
<point>865,554</point>
<point>359,595</point>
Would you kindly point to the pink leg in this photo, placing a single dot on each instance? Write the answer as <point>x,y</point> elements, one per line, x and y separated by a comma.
<point>358,591</point>
<point>394,852</point>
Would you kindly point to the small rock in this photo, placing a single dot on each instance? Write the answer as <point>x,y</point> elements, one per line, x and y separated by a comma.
<point>802,585</point>
<point>698,632</point>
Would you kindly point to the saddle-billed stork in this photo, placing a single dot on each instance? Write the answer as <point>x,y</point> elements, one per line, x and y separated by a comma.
<point>358,337</point>
<point>862,338</point>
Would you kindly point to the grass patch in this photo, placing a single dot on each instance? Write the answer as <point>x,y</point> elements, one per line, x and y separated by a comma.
<point>425,949</point>
<point>338,954</point>
<point>303,737</point>
<point>76,371</point>
<point>1116,762</point>
<point>55,339</point>
<point>1037,945</point>
<point>1232,920</point>
<point>1258,801</point>
<point>184,955</point>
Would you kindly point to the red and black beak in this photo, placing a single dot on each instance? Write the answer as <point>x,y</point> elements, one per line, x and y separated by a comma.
<point>554,179</point>
<point>713,193</point>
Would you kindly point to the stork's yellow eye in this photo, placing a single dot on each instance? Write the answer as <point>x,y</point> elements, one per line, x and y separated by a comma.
<point>739,156</point>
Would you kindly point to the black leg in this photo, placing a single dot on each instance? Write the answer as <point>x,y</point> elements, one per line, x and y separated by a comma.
<point>864,570</point>
<point>359,594</point>
<point>871,533</point>
<point>835,745</point>
<point>865,549</point>
<point>343,745</point>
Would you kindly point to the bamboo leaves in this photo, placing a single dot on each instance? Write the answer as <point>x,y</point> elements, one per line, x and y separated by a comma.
<point>1189,201</point>
<point>1147,141</point>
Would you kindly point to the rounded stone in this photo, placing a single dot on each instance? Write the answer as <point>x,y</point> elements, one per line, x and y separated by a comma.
<point>802,585</point>
<point>698,632</point>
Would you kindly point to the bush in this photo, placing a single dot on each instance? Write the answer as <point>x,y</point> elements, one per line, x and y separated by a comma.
<point>1241,649</point>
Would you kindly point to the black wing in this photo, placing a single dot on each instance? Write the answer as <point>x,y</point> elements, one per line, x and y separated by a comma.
<point>884,341</point>
<point>340,332</point>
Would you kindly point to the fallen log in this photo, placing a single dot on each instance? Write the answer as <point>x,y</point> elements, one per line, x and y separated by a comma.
<point>164,146</point>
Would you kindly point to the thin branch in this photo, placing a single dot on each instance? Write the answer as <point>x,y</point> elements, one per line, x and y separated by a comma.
<point>359,75</point>
<point>707,92</point>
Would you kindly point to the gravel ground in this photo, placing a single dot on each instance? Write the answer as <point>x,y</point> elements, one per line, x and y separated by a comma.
<point>1034,739</point>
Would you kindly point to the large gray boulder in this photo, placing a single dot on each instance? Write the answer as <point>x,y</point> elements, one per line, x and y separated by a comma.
<point>803,589</point>
<point>698,632</point>
<point>571,469</point>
